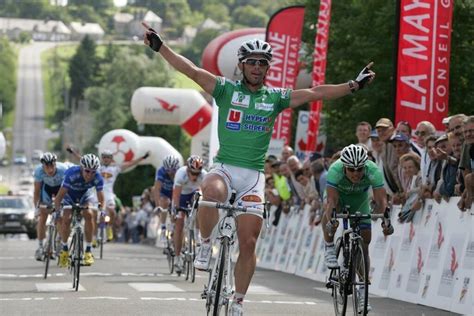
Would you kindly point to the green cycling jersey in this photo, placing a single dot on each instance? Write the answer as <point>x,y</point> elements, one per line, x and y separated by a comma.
<point>355,195</point>
<point>246,121</point>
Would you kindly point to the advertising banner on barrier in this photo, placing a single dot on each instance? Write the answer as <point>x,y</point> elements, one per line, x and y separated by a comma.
<point>319,70</point>
<point>285,38</point>
<point>424,48</point>
<point>429,261</point>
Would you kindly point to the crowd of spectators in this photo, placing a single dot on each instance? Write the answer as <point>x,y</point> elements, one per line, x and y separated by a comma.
<point>417,165</point>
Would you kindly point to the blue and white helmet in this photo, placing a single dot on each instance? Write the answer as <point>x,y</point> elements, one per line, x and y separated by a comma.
<point>90,161</point>
<point>255,46</point>
<point>354,156</point>
<point>171,162</point>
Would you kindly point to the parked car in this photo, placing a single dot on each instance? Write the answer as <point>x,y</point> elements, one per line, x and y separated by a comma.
<point>20,159</point>
<point>17,215</point>
<point>35,157</point>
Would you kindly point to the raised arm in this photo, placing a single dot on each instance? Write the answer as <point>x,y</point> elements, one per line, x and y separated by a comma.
<point>202,77</point>
<point>132,163</point>
<point>331,92</point>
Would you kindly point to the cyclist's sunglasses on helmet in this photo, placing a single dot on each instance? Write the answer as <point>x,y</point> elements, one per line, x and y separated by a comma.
<point>254,61</point>
<point>351,169</point>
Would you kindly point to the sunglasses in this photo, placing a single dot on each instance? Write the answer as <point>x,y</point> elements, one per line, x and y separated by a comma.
<point>421,133</point>
<point>253,62</point>
<point>107,156</point>
<point>89,170</point>
<point>195,173</point>
<point>360,169</point>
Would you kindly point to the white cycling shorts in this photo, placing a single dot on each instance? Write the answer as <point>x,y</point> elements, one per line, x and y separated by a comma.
<point>249,185</point>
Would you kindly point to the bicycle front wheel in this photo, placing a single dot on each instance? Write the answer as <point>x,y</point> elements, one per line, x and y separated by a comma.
<point>170,252</point>
<point>101,242</point>
<point>48,250</point>
<point>360,279</point>
<point>338,282</point>
<point>223,257</point>
<point>192,255</point>
<point>77,260</point>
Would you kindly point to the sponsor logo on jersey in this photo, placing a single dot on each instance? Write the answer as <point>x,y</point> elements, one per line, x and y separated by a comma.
<point>251,198</point>
<point>234,120</point>
<point>106,175</point>
<point>240,99</point>
<point>257,118</point>
<point>264,106</point>
<point>221,81</point>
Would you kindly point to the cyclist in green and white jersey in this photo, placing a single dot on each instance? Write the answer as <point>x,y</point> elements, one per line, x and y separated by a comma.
<point>247,112</point>
<point>348,182</point>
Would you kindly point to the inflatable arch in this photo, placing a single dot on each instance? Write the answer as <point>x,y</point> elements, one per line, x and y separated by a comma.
<point>126,146</point>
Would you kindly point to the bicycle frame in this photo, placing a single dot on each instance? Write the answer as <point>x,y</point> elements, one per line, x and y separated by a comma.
<point>51,246</point>
<point>77,243</point>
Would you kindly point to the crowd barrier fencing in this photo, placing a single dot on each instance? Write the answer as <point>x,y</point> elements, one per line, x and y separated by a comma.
<point>428,261</point>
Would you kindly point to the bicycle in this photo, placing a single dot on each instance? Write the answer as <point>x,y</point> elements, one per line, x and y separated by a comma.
<point>52,243</point>
<point>189,246</point>
<point>76,246</point>
<point>349,251</point>
<point>169,249</point>
<point>220,287</point>
<point>103,221</point>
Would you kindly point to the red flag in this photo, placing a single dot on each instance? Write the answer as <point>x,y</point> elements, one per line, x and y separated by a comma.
<point>319,70</point>
<point>424,47</point>
<point>284,35</point>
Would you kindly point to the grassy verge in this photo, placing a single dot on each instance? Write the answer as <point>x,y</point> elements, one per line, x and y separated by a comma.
<point>183,82</point>
<point>3,189</point>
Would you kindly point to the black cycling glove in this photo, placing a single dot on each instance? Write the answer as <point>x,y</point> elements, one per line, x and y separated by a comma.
<point>363,77</point>
<point>154,39</point>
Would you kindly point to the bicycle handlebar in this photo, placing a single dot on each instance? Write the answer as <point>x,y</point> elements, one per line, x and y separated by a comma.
<point>228,207</point>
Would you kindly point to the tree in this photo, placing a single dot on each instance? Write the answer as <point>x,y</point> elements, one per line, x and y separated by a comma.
<point>8,77</point>
<point>194,50</point>
<point>250,16</point>
<point>82,68</point>
<point>97,5</point>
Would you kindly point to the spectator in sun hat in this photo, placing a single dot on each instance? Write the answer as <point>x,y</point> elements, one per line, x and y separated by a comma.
<point>404,127</point>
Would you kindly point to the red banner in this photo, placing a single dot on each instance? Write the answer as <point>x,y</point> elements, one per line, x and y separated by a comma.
<point>423,61</point>
<point>319,71</point>
<point>284,34</point>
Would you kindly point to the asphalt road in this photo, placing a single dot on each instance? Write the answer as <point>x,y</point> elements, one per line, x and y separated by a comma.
<point>134,279</point>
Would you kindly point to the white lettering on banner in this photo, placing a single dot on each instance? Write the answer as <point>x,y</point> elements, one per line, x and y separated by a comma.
<point>415,82</point>
<point>415,5</point>
<point>414,51</point>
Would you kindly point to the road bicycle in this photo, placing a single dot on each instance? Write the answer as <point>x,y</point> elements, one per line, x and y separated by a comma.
<point>189,246</point>
<point>76,246</point>
<point>220,286</point>
<point>103,221</point>
<point>352,275</point>
<point>52,245</point>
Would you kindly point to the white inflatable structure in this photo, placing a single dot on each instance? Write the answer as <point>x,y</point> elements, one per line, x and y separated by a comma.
<point>184,107</point>
<point>126,146</point>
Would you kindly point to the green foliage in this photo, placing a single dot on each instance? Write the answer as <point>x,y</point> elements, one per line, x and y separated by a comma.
<point>8,76</point>
<point>250,16</point>
<point>194,50</point>
<point>82,68</point>
<point>461,93</point>
<point>96,5</point>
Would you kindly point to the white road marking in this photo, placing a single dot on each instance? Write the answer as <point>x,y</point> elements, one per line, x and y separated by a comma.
<point>103,298</point>
<point>260,289</point>
<point>155,287</point>
<point>83,274</point>
<point>56,287</point>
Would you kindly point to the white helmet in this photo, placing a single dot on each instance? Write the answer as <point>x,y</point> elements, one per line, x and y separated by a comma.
<point>90,161</point>
<point>255,46</point>
<point>171,162</point>
<point>354,156</point>
<point>48,158</point>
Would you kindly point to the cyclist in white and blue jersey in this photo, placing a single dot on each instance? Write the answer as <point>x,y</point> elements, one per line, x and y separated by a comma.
<point>163,189</point>
<point>75,189</point>
<point>48,178</point>
<point>187,181</point>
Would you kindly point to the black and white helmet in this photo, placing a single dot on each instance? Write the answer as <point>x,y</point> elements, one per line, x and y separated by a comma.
<point>48,158</point>
<point>354,156</point>
<point>255,46</point>
<point>90,161</point>
<point>171,162</point>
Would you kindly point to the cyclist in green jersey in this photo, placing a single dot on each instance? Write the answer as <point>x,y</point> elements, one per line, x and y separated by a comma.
<point>348,182</point>
<point>247,112</point>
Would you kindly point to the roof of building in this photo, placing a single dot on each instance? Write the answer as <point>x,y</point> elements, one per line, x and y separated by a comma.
<point>87,28</point>
<point>123,17</point>
<point>150,16</point>
<point>30,25</point>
